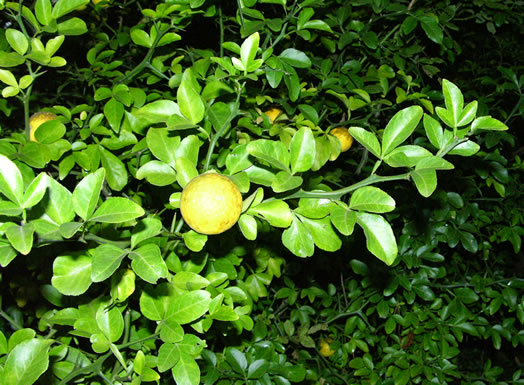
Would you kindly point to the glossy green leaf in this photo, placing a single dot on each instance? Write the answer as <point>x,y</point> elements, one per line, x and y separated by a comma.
<point>87,193</point>
<point>425,180</point>
<point>194,241</point>
<point>106,259</point>
<point>72,274</point>
<point>302,150</point>
<point>58,202</point>
<point>145,229</point>
<point>434,131</point>
<point>117,210</point>
<point>273,152</point>
<point>298,239</point>
<point>468,114</point>
<point>168,356</point>
<point>295,58</point>
<point>380,239</point>
<point>248,226</point>
<point>114,112</point>
<point>186,371</point>
<point>488,123</point>
<point>50,131</point>
<point>407,156</point>
<point>189,306</point>
<point>367,139</point>
<point>140,37</point>
<point>116,173</point>
<point>467,148</point>
<point>35,191</point>
<point>7,254</point>
<point>171,331</point>
<point>189,100</point>
<point>154,301</point>
<point>26,362</point>
<point>21,237</point>
<point>11,183</point>
<point>236,359</point>
<point>157,173</point>
<point>323,234</point>
<point>238,159</point>
<point>432,29</point>
<point>371,199</point>
<point>17,41</point>
<point>43,9</point>
<point>284,181</point>
<point>248,49</point>
<point>63,7</point>
<point>454,101</point>
<point>434,162</point>
<point>344,220</point>
<point>400,128</point>
<point>276,212</point>
<point>148,264</point>
<point>186,171</point>
<point>110,321</point>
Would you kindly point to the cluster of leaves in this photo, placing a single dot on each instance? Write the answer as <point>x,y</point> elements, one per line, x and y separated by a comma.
<point>111,286</point>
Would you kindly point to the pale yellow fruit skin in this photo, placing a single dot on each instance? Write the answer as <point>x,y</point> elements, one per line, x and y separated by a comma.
<point>273,113</point>
<point>325,348</point>
<point>343,136</point>
<point>36,120</point>
<point>211,203</point>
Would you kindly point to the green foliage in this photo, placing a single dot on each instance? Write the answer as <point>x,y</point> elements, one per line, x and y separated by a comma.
<point>103,282</point>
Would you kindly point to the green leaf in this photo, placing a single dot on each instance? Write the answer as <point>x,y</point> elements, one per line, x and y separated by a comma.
<point>371,199</point>
<point>71,27</point>
<point>63,7</point>
<point>21,237</point>
<point>189,306</point>
<point>302,150</point>
<point>17,41</point>
<point>276,212</point>
<point>148,264</point>
<point>35,191</point>
<point>194,241</point>
<point>284,181</point>
<point>323,234</point>
<point>186,171</point>
<point>189,101</point>
<point>238,159</point>
<point>11,183</point>
<point>186,371</point>
<point>248,226</point>
<point>10,59</point>
<point>468,114</point>
<point>407,156</point>
<point>454,101</point>
<point>145,229</point>
<point>248,50</point>
<point>236,359</point>
<point>292,82</point>
<point>114,112</point>
<point>26,362</point>
<point>467,148</point>
<point>400,128</point>
<point>154,301</point>
<point>58,202</point>
<point>257,368</point>
<point>162,145</point>
<point>117,210</point>
<point>367,139</point>
<point>425,180</point>
<point>50,131</point>
<point>87,193</point>
<point>298,239</point>
<point>171,331</point>
<point>106,259</point>
<point>430,25</point>
<point>434,162</point>
<point>220,115</point>
<point>72,274</point>
<point>140,37</point>
<point>43,10</point>
<point>116,174</point>
<point>295,58</point>
<point>488,123</point>
<point>273,152</point>
<point>379,236</point>
<point>158,111</point>
<point>157,173</point>
<point>7,254</point>
<point>168,356</point>
<point>110,321</point>
<point>434,131</point>
<point>10,209</point>
<point>344,220</point>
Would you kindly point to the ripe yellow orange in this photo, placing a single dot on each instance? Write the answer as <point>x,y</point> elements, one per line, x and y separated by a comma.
<point>211,203</point>
<point>273,114</point>
<point>343,136</point>
<point>36,120</point>
<point>325,348</point>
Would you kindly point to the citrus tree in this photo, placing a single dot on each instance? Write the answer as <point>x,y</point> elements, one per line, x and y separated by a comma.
<point>140,177</point>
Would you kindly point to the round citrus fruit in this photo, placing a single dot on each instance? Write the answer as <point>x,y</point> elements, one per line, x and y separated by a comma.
<point>273,113</point>
<point>211,203</point>
<point>36,120</point>
<point>343,136</point>
<point>325,349</point>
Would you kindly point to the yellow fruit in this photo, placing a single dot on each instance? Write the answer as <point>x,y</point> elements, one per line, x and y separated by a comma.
<point>211,203</point>
<point>325,349</point>
<point>273,113</point>
<point>343,136</point>
<point>36,120</point>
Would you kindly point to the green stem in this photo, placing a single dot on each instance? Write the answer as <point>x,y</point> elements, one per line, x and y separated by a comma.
<point>146,61</point>
<point>96,238</point>
<point>444,151</point>
<point>337,194</point>
<point>222,129</point>
<point>514,109</point>
<point>5,316</point>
